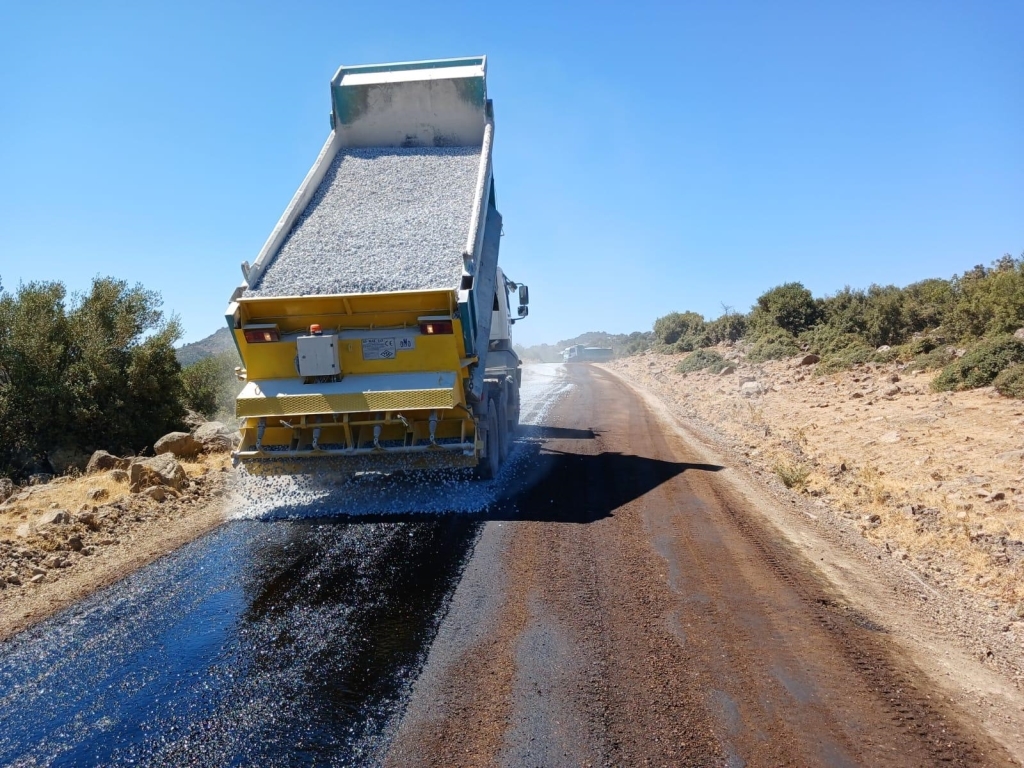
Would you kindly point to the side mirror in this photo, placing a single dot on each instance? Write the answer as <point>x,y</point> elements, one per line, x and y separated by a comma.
<point>523,311</point>
<point>524,295</point>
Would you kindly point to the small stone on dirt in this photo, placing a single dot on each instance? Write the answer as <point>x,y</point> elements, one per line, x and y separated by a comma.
<point>75,543</point>
<point>890,437</point>
<point>37,578</point>
<point>96,494</point>
<point>55,517</point>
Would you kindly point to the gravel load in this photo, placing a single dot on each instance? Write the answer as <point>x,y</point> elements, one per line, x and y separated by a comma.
<point>382,219</point>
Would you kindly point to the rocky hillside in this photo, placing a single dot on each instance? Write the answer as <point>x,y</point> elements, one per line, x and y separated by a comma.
<point>214,344</point>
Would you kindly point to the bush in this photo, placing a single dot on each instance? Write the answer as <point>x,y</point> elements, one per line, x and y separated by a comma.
<point>792,475</point>
<point>702,359</point>
<point>981,365</point>
<point>932,360</point>
<point>855,354</point>
<point>682,331</point>
<point>1010,382</point>
<point>988,301</point>
<point>731,326</point>
<point>790,307</point>
<point>93,371</point>
<point>772,345</point>
<point>209,386</point>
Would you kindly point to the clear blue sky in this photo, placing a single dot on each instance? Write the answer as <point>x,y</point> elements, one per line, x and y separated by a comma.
<point>649,157</point>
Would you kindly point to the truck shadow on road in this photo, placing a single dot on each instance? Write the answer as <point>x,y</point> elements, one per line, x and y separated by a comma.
<point>567,487</point>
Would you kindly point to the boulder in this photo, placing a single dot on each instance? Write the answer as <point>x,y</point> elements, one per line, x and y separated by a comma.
<point>1019,334</point>
<point>215,437</point>
<point>6,489</point>
<point>55,517</point>
<point>180,444</point>
<point>159,470</point>
<point>118,475</point>
<point>40,478</point>
<point>97,494</point>
<point>156,493</point>
<point>63,460</point>
<point>809,360</point>
<point>101,461</point>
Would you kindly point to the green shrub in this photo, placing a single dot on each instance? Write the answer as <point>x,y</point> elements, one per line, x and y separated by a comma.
<point>933,360</point>
<point>731,326</point>
<point>774,344</point>
<point>980,365</point>
<point>85,372</point>
<point>855,354</point>
<point>1010,381</point>
<point>210,386</point>
<point>702,359</point>
<point>790,307</point>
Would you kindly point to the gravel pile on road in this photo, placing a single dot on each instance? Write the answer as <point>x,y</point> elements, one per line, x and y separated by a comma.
<point>383,219</point>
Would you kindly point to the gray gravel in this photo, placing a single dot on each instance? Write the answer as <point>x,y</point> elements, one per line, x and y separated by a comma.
<point>383,219</point>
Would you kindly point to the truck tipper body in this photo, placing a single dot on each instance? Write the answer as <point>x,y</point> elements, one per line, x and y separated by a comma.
<point>374,325</point>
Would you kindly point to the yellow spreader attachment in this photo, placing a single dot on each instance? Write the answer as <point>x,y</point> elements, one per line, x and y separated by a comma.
<point>382,422</point>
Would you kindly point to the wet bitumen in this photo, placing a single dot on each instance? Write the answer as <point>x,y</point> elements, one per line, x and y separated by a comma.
<point>261,643</point>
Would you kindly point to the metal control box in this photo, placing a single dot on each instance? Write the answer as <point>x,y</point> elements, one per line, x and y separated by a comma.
<point>318,355</point>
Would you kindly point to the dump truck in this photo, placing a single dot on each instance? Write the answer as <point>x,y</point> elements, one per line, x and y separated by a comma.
<point>374,326</point>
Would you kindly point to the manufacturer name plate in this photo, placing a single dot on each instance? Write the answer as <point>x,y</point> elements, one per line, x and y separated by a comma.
<point>385,348</point>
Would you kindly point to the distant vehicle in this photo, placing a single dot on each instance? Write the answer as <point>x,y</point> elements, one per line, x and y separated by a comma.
<point>581,354</point>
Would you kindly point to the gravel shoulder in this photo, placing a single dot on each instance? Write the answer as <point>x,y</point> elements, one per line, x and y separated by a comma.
<point>639,603</point>
<point>66,539</point>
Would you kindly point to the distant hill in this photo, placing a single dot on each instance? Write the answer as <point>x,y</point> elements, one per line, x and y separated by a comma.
<point>214,344</point>
<point>620,343</point>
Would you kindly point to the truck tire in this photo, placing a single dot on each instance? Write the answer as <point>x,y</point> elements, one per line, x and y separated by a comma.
<point>489,465</point>
<point>504,428</point>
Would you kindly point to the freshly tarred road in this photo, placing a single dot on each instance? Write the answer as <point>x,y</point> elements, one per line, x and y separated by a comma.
<point>634,610</point>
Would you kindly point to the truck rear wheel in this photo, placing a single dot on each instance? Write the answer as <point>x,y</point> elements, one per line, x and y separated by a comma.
<point>491,463</point>
<point>504,428</point>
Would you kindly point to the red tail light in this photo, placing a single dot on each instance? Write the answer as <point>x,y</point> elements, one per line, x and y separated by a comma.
<point>261,334</point>
<point>433,327</point>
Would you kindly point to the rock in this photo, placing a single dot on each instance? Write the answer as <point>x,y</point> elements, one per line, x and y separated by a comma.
<point>75,543</point>
<point>55,517</point>
<point>37,578</point>
<point>97,494</point>
<point>856,395</point>
<point>890,437</point>
<point>810,360</point>
<point>215,437</point>
<point>64,460</point>
<point>101,461</point>
<point>894,377</point>
<point>13,578</point>
<point>118,475</point>
<point>997,496</point>
<point>180,444</point>
<point>193,419</point>
<point>159,470</point>
<point>892,391</point>
<point>724,372</point>
<point>883,348</point>
<point>1019,334</point>
<point>88,519</point>
<point>40,478</point>
<point>751,388</point>
<point>6,489</point>
<point>1011,456</point>
<point>156,492</point>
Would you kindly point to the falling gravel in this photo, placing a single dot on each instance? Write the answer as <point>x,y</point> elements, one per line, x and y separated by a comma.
<point>382,219</point>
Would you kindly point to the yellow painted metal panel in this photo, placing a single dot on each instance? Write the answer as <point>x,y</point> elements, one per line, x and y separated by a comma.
<point>298,405</point>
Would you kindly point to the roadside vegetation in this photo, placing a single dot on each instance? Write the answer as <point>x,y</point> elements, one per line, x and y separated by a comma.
<point>97,370</point>
<point>963,326</point>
